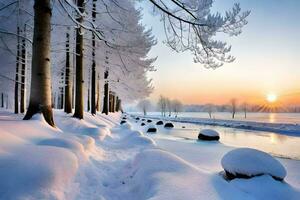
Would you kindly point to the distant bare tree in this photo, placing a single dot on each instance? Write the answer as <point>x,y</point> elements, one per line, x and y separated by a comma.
<point>245,107</point>
<point>169,106</point>
<point>233,103</point>
<point>144,105</point>
<point>162,105</point>
<point>176,107</point>
<point>209,109</point>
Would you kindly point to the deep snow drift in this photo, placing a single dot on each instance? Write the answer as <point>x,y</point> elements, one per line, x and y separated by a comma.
<point>97,158</point>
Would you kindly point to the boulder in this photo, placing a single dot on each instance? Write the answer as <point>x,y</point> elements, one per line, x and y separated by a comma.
<point>137,118</point>
<point>248,163</point>
<point>151,128</point>
<point>159,122</point>
<point>208,134</point>
<point>169,125</point>
<point>123,121</point>
<point>143,124</point>
<point>149,120</point>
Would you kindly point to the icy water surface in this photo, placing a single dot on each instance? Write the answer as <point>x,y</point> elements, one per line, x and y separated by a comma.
<point>291,118</point>
<point>276,144</point>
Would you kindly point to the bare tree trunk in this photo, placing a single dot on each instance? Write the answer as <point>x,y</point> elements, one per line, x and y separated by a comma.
<point>106,95</point>
<point>113,103</point>
<point>61,97</point>
<point>23,74</point>
<point>79,65</point>
<point>98,94</point>
<point>17,73</point>
<point>2,100</point>
<point>88,98</point>
<point>40,93</point>
<point>93,86</point>
<point>68,78</point>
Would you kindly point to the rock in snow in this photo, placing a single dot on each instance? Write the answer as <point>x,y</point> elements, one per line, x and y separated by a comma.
<point>208,134</point>
<point>149,120</point>
<point>151,128</point>
<point>143,124</point>
<point>247,163</point>
<point>123,121</point>
<point>169,125</point>
<point>159,122</point>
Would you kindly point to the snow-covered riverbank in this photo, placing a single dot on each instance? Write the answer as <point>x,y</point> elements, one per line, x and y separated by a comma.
<point>97,158</point>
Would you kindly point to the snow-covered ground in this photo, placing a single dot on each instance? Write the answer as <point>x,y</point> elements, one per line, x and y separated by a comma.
<point>96,158</point>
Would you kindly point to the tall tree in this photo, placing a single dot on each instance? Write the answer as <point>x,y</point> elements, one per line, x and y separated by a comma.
<point>17,72</point>
<point>106,94</point>
<point>40,88</point>
<point>23,73</point>
<point>93,86</point>
<point>68,78</point>
<point>79,63</point>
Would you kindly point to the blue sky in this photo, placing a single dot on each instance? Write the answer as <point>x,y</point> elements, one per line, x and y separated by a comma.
<point>267,54</point>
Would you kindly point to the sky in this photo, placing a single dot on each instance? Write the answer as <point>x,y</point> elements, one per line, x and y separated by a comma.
<point>267,59</point>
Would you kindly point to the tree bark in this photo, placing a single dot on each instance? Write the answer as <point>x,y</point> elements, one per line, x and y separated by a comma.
<point>23,74</point>
<point>68,78</point>
<point>17,73</point>
<point>79,65</point>
<point>106,95</point>
<point>40,92</point>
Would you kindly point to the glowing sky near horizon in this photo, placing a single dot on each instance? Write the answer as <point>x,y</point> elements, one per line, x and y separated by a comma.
<point>267,59</point>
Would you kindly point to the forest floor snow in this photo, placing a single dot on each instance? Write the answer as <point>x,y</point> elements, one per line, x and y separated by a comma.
<point>96,158</point>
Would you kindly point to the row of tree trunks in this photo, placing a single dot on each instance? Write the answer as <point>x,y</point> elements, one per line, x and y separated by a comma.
<point>79,64</point>
<point>40,89</point>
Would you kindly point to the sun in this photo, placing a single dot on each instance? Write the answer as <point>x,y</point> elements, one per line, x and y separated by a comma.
<point>271,98</point>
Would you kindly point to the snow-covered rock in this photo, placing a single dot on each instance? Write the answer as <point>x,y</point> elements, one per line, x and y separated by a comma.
<point>151,128</point>
<point>143,124</point>
<point>149,120</point>
<point>159,122</point>
<point>208,134</point>
<point>247,163</point>
<point>169,125</point>
<point>123,121</point>
<point>126,125</point>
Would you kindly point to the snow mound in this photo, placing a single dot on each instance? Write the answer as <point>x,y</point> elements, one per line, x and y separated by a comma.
<point>37,172</point>
<point>247,163</point>
<point>74,146</point>
<point>169,125</point>
<point>208,134</point>
<point>136,138</point>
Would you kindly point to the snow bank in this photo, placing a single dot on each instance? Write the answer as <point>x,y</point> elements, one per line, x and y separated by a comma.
<point>37,172</point>
<point>246,162</point>
<point>208,134</point>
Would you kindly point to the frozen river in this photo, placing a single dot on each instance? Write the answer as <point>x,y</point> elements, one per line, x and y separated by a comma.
<point>277,144</point>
